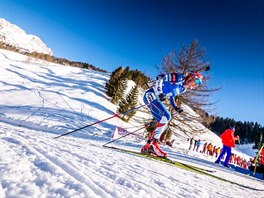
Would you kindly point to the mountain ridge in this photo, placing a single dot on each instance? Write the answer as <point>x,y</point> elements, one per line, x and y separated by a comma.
<point>13,35</point>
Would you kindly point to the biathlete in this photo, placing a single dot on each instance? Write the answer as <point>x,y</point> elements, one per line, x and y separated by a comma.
<point>166,86</point>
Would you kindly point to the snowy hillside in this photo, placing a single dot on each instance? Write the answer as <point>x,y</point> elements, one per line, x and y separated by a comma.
<point>15,36</point>
<point>40,101</point>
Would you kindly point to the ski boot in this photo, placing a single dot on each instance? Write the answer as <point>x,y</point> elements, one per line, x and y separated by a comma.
<point>157,149</point>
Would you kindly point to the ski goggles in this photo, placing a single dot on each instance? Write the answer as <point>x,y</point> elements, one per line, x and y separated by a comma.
<point>197,81</point>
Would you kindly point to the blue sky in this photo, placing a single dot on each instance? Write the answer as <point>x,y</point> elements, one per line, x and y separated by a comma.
<point>137,33</point>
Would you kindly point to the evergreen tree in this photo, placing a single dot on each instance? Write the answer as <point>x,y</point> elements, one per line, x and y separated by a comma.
<point>128,103</point>
<point>126,74</point>
<point>121,74</point>
<point>132,99</point>
<point>118,91</point>
<point>111,85</point>
<point>117,84</point>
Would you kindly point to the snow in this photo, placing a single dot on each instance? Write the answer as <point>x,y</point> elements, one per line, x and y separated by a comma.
<point>15,36</point>
<point>247,149</point>
<point>40,101</point>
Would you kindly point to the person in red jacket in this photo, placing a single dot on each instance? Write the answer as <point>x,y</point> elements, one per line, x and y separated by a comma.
<point>228,141</point>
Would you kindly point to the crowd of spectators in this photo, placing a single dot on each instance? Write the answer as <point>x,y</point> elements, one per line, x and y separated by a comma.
<point>209,149</point>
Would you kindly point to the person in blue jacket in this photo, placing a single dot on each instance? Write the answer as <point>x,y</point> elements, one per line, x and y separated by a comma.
<point>166,86</point>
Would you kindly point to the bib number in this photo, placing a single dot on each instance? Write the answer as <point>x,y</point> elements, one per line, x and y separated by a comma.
<point>150,97</point>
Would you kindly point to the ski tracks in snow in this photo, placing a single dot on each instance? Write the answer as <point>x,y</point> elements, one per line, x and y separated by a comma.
<point>71,166</point>
<point>36,165</point>
<point>46,169</point>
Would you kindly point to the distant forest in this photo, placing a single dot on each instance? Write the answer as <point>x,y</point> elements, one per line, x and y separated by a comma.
<point>49,58</point>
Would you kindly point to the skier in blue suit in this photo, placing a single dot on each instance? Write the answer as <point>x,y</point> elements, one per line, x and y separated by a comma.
<point>166,86</point>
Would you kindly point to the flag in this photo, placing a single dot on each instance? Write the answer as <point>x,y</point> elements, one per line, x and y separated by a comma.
<point>119,132</point>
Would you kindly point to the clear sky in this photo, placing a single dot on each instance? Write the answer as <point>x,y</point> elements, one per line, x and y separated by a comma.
<point>137,33</point>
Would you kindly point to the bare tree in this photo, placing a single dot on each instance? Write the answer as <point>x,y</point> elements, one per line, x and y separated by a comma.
<point>190,59</point>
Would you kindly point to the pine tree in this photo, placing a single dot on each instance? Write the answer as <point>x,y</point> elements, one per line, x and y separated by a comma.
<point>128,103</point>
<point>123,106</point>
<point>118,91</point>
<point>132,100</point>
<point>111,85</point>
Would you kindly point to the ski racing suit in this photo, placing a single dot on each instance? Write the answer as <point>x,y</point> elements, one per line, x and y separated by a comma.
<point>166,86</point>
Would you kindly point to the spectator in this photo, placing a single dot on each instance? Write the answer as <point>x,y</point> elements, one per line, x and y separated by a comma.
<point>191,142</point>
<point>198,144</point>
<point>238,161</point>
<point>204,148</point>
<point>228,141</point>
<point>217,152</point>
<point>214,150</point>
<point>195,144</point>
<point>244,164</point>
<point>235,158</point>
<point>209,149</point>
<point>232,161</point>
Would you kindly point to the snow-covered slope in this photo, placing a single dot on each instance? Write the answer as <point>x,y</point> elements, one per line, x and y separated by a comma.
<point>39,101</point>
<point>15,36</point>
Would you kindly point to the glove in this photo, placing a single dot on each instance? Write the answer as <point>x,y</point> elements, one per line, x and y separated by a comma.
<point>162,97</point>
<point>179,110</point>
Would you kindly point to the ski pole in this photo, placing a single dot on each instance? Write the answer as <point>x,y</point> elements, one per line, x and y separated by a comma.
<point>113,116</point>
<point>124,136</point>
<point>257,159</point>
